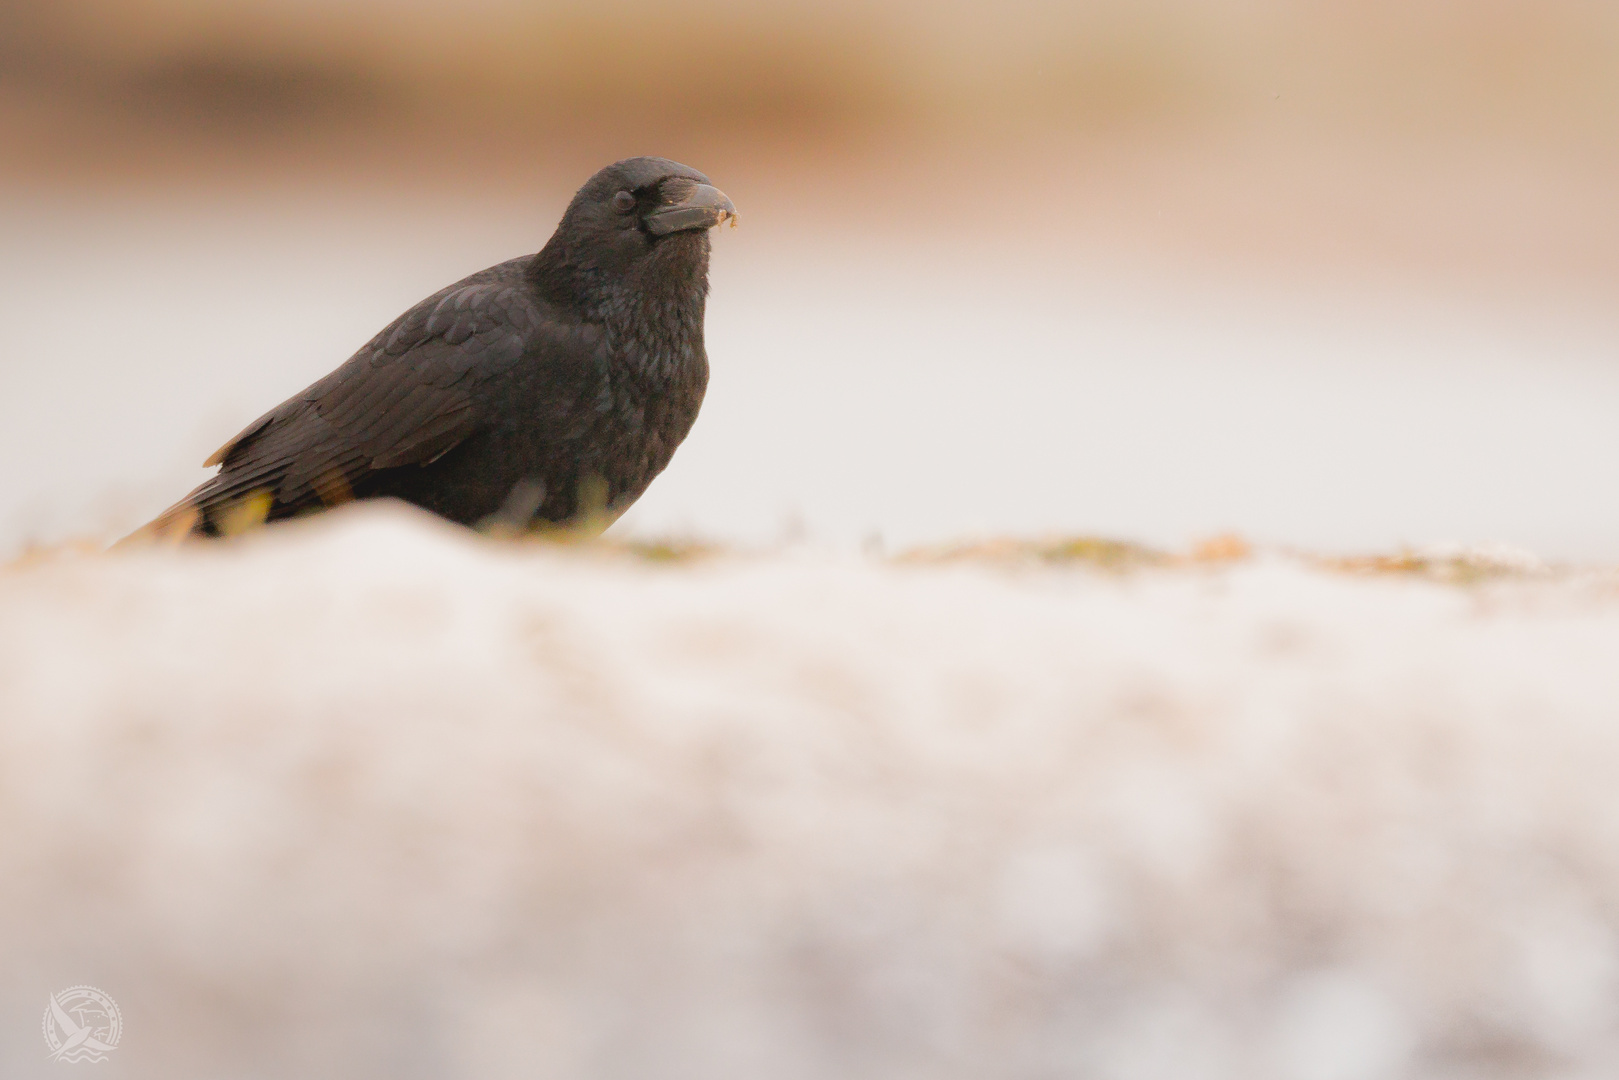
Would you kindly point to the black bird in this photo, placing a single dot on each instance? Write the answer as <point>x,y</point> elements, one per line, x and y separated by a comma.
<point>546,389</point>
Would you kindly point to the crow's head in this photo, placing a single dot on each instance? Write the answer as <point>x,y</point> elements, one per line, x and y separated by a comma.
<point>641,223</point>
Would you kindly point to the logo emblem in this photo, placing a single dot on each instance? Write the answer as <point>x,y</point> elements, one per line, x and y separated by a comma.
<point>82,1024</point>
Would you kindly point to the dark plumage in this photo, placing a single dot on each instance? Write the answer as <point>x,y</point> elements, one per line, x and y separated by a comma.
<point>538,390</point>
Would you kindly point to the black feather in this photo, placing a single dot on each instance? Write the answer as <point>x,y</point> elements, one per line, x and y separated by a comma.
<point>580,367</point>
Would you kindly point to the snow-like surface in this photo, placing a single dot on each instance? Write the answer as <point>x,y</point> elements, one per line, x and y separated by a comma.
<point>371,797</point>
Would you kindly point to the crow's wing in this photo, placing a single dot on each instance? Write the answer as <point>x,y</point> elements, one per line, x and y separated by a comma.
<point>403,399</point>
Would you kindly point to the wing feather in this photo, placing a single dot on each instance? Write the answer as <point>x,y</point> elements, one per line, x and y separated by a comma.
<point>403,399</point>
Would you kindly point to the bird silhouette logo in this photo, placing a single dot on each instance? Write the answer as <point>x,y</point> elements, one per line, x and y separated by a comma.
<point>82,1024</point>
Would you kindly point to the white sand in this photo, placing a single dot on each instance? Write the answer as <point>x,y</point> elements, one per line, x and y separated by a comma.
<point>370,797</point>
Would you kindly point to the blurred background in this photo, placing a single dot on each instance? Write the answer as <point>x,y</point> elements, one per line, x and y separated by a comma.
<point>372,798</point>
<point>1335,274</point>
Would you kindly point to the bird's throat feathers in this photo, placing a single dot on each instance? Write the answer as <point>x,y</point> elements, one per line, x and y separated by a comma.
<point>652,308</point>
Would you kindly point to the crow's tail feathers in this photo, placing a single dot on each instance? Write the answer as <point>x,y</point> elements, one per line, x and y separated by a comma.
<point>179,522</point>
<point>197,515</point>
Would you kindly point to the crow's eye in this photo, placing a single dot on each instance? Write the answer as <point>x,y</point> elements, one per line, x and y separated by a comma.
<point>623,202</point>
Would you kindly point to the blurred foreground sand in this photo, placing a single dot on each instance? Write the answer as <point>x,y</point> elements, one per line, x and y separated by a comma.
<point>370,797</point>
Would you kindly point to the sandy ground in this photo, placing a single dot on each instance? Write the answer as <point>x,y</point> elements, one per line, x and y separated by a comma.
<point>372,797</point>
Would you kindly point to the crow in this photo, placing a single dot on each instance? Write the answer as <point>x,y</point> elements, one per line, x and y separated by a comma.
<point>546,390</point>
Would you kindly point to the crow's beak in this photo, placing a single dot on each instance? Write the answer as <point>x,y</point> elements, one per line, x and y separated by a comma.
<point>690,205</point>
